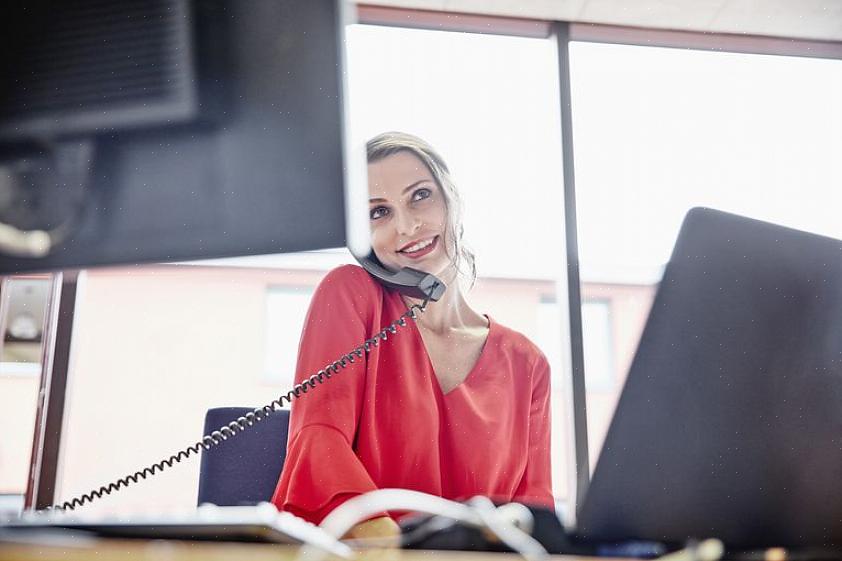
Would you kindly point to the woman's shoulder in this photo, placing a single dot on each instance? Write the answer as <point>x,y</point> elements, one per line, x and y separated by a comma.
<point>517,345</point>
<point>347,290</point>
<point>349,284</point>
<point>350,278</point>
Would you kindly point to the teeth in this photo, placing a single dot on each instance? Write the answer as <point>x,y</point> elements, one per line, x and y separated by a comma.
<point>418,247</point>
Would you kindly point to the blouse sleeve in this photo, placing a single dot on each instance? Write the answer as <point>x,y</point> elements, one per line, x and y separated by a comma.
<point>321,469</point>
<point>535,486</point>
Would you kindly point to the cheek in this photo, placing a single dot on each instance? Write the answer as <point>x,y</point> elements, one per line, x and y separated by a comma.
<point>436,215</point>
<point>442,220</point>
<point>380,241</point>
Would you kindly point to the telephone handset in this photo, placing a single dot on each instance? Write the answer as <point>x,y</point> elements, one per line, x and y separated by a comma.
<point>409,282</point>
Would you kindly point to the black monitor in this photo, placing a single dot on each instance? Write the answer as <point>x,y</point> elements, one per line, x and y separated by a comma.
<point>170,130</point>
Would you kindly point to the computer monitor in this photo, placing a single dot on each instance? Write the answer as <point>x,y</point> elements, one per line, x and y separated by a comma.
<point>730,421</point>
<point>171,130</point>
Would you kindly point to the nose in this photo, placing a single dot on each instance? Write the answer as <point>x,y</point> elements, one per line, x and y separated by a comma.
<point>407,223</point>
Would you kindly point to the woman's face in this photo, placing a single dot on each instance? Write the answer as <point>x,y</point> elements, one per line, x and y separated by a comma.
<point>408,215</point>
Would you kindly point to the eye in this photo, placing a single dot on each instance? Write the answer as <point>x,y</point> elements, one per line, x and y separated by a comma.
<point>421,194</point>
<point>378,212</point>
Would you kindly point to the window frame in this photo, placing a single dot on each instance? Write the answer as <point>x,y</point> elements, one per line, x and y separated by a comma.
<point>49,414</point>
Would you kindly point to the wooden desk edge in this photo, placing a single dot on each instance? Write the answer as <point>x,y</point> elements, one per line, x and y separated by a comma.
<point>163,550</point>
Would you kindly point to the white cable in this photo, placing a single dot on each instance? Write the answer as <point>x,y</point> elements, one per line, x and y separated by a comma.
<point>364,506</point>
<point>499,521</point>
<point>479,513</point>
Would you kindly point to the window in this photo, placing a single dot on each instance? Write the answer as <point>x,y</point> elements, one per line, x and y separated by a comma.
<point>490,105</point>
<point>658,131</point>
<point>24,309</point>
<point>178,339</point>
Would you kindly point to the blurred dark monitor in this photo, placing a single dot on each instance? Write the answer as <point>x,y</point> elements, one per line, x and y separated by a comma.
<point>166,130</point>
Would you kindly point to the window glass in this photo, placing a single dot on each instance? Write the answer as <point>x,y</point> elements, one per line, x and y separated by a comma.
<point>490,105</point>
<point>156,346</point>
<point>658,131</point>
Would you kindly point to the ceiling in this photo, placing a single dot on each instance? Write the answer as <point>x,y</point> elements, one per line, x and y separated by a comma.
<point>798,19</point>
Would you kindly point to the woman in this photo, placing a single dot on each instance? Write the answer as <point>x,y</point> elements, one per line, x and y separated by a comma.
<point>454,405</point>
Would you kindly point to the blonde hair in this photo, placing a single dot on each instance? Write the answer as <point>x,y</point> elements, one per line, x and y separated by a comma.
<point>389,143</point>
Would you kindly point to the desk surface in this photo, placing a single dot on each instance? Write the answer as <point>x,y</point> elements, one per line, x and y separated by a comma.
<point>160,550</point>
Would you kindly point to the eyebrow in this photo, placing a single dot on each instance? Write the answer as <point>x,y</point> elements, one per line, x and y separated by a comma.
<point>410,187</point>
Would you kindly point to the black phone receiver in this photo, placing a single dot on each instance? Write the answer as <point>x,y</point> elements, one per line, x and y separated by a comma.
<point>408,281</point>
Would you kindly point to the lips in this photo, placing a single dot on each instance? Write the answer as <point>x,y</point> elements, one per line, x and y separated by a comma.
<point>419,248</point>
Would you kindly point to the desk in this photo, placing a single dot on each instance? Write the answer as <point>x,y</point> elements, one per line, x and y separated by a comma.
<point>160,550</point>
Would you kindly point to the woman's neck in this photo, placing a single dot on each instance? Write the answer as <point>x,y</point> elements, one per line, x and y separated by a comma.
<point>450,313</point>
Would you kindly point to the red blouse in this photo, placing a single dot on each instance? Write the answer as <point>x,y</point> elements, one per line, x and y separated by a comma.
<point>385,422</point>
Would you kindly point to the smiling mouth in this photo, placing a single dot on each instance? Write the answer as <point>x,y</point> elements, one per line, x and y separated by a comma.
<point>420,248</point>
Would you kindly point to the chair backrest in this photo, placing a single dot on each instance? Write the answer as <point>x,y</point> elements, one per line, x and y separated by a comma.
<point>244,469</point>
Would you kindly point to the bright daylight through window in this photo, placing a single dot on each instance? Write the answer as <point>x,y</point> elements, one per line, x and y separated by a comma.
<point>658,131</point>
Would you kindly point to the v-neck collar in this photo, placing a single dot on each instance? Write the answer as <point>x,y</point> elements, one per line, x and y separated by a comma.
<point>471,373</point>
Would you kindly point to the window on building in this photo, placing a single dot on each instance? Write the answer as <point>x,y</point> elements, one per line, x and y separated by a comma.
<point>598,344</point>
<point>286,309</point>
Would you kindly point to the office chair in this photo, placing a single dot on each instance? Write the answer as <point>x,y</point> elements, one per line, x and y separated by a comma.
<point>244,469</point>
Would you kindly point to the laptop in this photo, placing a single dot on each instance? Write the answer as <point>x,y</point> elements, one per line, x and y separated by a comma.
<point>730,421</point>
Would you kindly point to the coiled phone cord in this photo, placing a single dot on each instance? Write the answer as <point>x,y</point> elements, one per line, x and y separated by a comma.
<point>237,426</point>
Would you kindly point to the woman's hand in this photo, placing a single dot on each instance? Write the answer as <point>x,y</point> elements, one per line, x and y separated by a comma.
<point>384,529</point>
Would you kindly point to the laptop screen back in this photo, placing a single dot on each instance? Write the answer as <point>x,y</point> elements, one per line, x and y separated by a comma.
<point>730,422</point>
